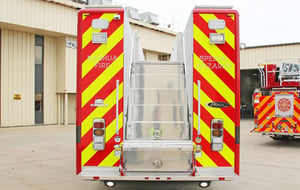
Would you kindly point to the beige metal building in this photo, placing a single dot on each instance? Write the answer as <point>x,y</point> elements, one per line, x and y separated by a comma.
<point>38,59</point>
<point>251,57</point>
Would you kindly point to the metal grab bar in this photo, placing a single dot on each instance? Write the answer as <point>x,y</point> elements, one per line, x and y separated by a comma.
<point>199,106</point>
<point>117,107</point>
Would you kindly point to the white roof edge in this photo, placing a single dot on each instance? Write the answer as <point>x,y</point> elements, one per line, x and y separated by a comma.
<point>150,26</point>
<point>103,6</point>
<point>213,6</point>
<point>67,3</point>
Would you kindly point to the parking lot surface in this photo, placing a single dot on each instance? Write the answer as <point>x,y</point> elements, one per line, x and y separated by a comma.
<point>43,157</point>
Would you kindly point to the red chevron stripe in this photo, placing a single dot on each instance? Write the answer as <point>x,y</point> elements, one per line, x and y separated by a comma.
<point>87,22</point>
<point>215,156</point>
<point>260,120</point>
<point>102,93</point>
<point>206,117</point>
<point>90,48</point>
<point>265,106</point>
<point>230,24</point>
<point>226,48</point>
<point>268,123</point>
<point>261,99</point>
<point>221,73</point>
<point>92,75</point>
<point>101,155</point>
<point>109,117</point>
<point>214,94</point>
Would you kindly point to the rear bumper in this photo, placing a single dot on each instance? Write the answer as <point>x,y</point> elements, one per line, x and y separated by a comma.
<point>277,133</point>
<point>202,174</point>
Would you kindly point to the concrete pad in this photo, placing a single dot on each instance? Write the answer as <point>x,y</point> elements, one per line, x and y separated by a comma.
<point>43,157</point>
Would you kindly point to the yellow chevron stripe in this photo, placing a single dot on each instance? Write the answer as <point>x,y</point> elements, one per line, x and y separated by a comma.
<point>296,115</point>
<point>205,132</point>
<point>232,16</point>
<point>214,51</point>
<point>229,125</point>
<point>229,36</point>
<point>87,154</point>
<point>99,112</point>
<point>263,102</point>
<point>111,128</point>
<point>205,160</point>
<point>276,121</point>
<point>87,35</point>
<point>228,154</point>
<point>214,80</point>
<point>204,129</point>
<point>267,120</point>
<point>110,160</point>
<point>261,114</point>
<point>102,80</point>
<point>112,41</point>
<point>84,15</point>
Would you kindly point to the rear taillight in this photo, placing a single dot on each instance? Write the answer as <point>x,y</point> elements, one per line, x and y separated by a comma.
<point>99,134</point>
<point>217,134</point>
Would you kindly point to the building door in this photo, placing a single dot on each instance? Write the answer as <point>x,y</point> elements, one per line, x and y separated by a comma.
<point>39,76</point>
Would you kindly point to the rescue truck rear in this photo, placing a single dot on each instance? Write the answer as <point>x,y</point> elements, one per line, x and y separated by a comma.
<point>140,120</point>
<point>277,102</point>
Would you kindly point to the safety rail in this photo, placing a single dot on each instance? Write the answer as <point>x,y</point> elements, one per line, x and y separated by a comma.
<point>279,72</point>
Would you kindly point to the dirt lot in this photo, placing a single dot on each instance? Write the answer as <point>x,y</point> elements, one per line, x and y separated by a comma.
<point>44,158</point>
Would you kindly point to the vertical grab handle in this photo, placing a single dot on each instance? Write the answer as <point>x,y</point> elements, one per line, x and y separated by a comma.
<point>117,107</point>
<point>199,106</point>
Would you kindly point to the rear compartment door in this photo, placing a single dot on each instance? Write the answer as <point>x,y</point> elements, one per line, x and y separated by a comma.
<point>216,87</point>
<point>100,86</point>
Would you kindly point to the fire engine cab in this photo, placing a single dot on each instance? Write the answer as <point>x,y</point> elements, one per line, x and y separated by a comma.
<point>277,102</point>
<point>174,120</point>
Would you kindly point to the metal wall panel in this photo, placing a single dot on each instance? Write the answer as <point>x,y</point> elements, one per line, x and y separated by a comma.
<point>151,55</point>
<point>251,57</point>
<point>40,14</point>
<point>60,64</point>
<point>72,108</point>
<point>71,57</point>
<point>17,78</point>
<point>50,96</point>
<point>154,40</point>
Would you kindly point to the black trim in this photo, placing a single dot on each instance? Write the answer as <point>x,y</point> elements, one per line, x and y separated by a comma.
<point>78,134</point>
<point>237,135</point>
<point>0,74</point>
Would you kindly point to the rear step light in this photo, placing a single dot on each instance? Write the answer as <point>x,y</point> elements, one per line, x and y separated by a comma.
<point>99,134</point>
<point>217,134</point>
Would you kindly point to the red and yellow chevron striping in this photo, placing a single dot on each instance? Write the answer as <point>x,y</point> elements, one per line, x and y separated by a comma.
<point>215,66</point>
<point>101,66</point>
<point>269,122</point>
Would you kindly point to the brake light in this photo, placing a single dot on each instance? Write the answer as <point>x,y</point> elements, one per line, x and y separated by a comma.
<point>217,125</point>
<point>99,134</point>
<point>99,125</point>
<point>217,134</point>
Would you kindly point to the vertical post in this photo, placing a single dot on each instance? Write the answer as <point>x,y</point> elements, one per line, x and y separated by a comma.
<point>66,109</point>
<point>117,107</point>
<point>199,107</point>
<point>58,110</point>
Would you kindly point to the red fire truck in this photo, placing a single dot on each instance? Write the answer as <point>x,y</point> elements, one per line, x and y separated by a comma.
<point>143,120</point>
<point>277,102</point>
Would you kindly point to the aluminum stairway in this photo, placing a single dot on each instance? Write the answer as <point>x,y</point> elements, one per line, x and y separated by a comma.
<point>157,107</point>
<point>157,135</point>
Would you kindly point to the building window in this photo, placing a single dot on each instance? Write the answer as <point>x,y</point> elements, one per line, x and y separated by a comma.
<point>164,57</point>
<point>39,79</point>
